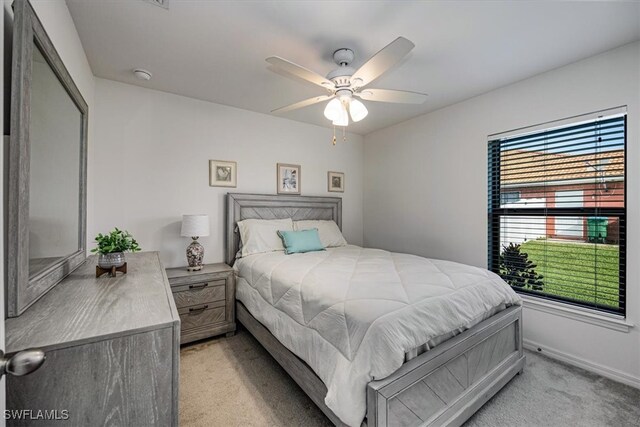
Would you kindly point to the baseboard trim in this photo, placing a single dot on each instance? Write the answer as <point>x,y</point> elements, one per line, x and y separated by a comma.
<point>599,369</point>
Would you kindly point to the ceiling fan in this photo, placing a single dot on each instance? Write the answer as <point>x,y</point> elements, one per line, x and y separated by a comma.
<point>344,83</point>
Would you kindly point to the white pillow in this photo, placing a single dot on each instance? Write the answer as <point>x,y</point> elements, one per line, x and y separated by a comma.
<point>261,235</point>
<point>330,234</point>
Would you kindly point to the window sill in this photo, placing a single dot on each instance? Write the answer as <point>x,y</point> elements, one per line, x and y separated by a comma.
<point>610,321</point>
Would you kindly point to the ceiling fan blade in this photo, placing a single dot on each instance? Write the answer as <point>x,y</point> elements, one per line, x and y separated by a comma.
<point>382,61</point>
<point>304,103</point>
<point>300,71</point>
<point>388,95</point>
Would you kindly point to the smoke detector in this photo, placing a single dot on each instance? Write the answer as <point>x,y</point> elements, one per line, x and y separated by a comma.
<point>142,74</point>
<point>162,3</point>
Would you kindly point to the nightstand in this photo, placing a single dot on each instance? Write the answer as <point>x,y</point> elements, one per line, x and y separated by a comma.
<point>205,300</point>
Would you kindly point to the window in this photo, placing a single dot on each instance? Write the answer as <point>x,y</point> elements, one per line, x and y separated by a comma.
<point>557,212</point>
<point>509,197</point>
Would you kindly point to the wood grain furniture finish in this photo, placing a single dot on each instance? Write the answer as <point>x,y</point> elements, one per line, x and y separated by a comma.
<point>23,288</point>
<point>447,384</point>
<point>443,386</point>
<point>112,348</point>
<point>205,300</point>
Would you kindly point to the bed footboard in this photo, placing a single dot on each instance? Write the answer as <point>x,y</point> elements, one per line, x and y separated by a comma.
<point>448,384</point>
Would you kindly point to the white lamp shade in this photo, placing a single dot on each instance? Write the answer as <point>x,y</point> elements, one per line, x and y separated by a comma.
<point>343,117</point>
<point>358,110</point>
<point>333,110</point>
<point>195,225</point>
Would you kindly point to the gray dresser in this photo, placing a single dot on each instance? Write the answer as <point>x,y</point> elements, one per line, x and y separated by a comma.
<point>112,348</point>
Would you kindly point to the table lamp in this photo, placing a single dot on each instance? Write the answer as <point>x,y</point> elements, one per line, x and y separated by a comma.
<point>195,226</point>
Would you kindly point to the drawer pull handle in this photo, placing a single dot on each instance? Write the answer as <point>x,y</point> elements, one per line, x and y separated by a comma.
<point>204,285</point>
<point>198,310</point>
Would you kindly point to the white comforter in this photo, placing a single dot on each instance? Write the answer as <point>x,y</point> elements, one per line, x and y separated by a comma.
<point>353,313</point>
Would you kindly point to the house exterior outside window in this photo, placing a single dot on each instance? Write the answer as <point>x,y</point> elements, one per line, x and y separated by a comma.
<point>557,212</point>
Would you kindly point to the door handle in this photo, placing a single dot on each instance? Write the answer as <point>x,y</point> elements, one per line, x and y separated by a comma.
<point>22,363</point>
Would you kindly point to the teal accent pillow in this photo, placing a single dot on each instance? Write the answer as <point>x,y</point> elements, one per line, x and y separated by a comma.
<point>301,241</point>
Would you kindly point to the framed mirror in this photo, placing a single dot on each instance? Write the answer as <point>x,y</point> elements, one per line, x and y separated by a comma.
<point>47,166</point>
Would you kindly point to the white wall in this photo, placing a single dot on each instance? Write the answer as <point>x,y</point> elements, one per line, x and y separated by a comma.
<point>425,188</point>
<point>149,164</point>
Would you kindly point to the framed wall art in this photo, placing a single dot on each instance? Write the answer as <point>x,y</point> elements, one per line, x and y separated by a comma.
<point>288,178</point>
<point>222,173</point>
<point>335,182</point>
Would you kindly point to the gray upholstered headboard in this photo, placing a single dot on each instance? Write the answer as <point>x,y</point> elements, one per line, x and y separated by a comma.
<point>267,206</point>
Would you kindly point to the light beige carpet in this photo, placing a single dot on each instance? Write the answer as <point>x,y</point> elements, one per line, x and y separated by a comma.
<point>235,382</point>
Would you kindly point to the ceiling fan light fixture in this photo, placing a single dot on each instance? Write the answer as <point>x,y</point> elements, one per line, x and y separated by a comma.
<point>343,117</point>
<point>357,110</point>
<point>333,110</point>
<point>345,82</point>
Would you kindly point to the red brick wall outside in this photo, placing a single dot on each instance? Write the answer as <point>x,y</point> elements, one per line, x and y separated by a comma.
<point>594,195</point>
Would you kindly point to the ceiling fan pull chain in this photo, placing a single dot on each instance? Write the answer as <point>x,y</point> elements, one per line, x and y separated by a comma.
<point>344,134</point>
<point>334,135</point>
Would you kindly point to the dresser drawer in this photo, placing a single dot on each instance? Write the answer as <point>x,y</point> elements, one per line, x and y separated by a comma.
<point>199,293</point>
<point>201,315</point>
<point>193,285</point>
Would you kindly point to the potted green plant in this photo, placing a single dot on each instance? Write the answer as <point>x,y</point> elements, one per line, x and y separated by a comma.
<point>112,246</point>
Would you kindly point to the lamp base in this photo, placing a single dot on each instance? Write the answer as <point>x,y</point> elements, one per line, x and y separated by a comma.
<point>195,255</point>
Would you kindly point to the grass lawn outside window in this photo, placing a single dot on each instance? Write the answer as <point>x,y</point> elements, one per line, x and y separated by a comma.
<point>585,272</point>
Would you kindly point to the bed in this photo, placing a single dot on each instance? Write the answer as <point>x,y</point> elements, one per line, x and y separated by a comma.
<point>442,386</point>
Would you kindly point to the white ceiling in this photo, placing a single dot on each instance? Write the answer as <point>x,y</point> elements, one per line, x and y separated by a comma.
<point>216,50</point>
